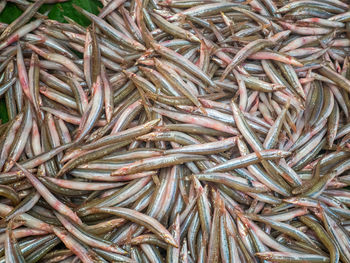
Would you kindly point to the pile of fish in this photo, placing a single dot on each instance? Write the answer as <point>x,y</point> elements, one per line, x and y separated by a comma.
<point>177,131</point>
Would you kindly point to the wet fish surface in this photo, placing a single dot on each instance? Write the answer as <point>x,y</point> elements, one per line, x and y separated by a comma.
<point>176,131</point>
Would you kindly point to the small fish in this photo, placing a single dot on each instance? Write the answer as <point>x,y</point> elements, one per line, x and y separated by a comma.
<point>176,131</point>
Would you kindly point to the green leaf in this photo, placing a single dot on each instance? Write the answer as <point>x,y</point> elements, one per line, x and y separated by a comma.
<point>3,111</point>
<point>10,13</point>
<point>57,12</point>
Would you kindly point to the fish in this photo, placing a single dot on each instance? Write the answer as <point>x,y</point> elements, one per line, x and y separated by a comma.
<point>176,131</point>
